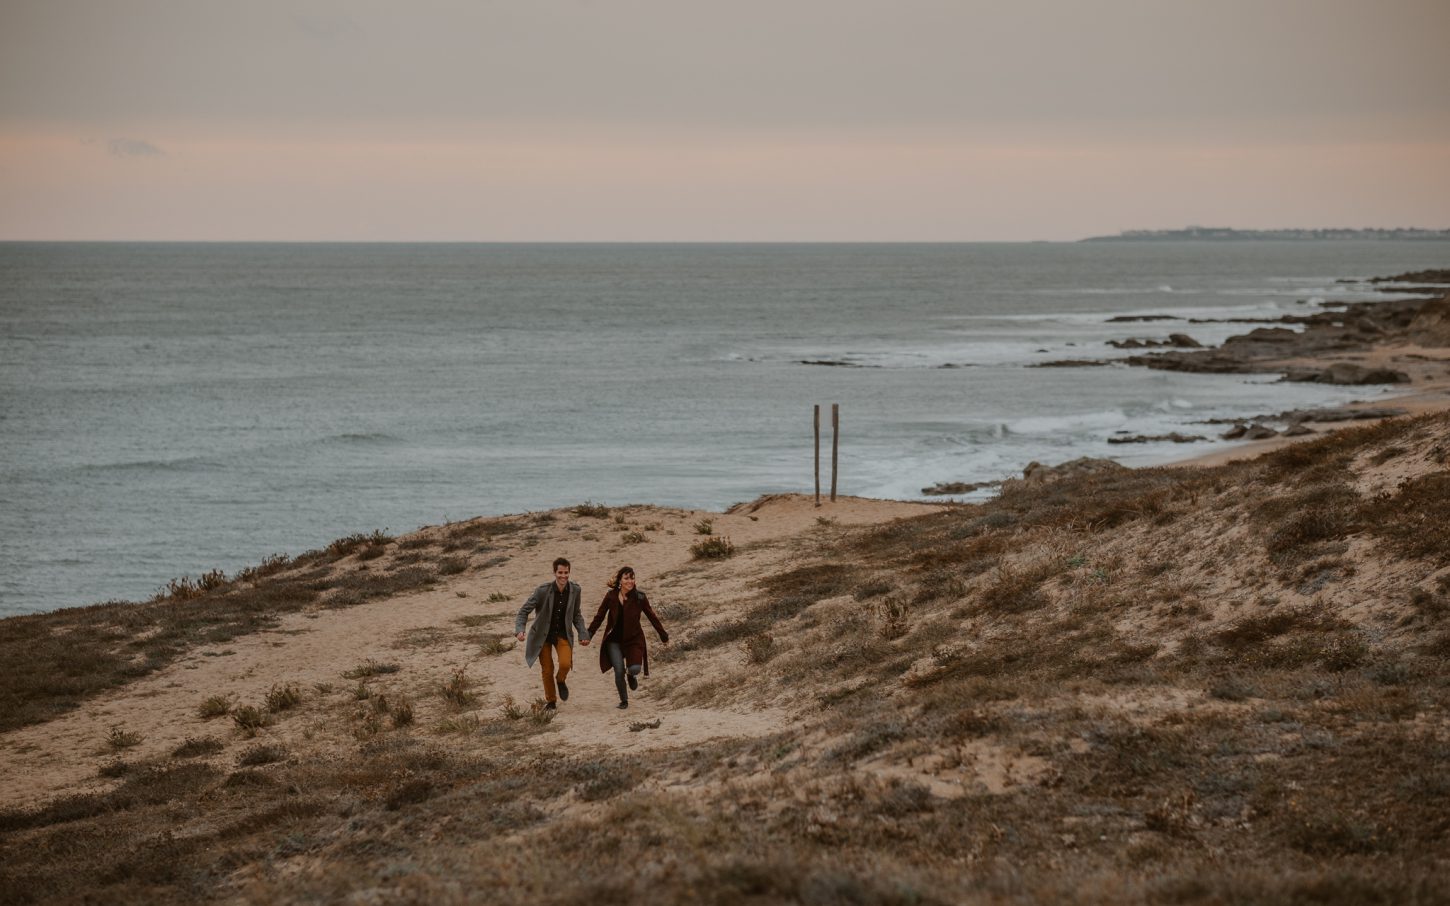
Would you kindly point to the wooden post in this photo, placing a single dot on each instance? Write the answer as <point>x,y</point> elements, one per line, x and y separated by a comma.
<point>835,444</point>
<point>818,454</point>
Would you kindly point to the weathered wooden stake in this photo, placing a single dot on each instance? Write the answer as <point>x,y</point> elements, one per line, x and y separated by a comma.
<point>835,444</point>
<point>818,454</point>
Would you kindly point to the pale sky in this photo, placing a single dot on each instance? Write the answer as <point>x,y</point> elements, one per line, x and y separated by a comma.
<point>728,120</point>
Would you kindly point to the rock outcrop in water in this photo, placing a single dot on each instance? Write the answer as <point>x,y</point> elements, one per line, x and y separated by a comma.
<point>1351,329</point>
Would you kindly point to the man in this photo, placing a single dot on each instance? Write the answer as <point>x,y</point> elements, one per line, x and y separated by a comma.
<point>551,637</point>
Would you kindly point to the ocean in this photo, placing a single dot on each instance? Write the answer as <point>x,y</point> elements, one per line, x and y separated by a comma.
<point>167,409</point>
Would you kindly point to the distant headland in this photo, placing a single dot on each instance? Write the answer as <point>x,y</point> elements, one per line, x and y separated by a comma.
<point>1231,234</point>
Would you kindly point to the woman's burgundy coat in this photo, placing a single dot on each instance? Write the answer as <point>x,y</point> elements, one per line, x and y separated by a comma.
<point>625,616</point>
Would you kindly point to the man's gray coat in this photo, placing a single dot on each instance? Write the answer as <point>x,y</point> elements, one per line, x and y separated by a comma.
<point>539,603</point>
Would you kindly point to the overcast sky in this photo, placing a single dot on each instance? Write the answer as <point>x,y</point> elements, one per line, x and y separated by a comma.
<point>674,120</point>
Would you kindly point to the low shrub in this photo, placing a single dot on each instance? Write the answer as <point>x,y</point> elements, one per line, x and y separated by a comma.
<point>215,706</point>
<point>456,691</point>
<point>371,551</point>
<point>452,566</point>
<point>195,748</point>
<point>114,768</point>
<point>369,668</point>
<point>249,719</point>
<point>344,546</point>
<point>120,738</point>
<point>401,712</point>
<point>499,645</point>
<point>714,548</point>
<point>186,588</point>
<point>1013,591</point>
<point>891,619</point>
<point>265,753</point>
<point>1413,519</point>
<point>759,648</point>
<point>268,567</point>
<point>283,697</point>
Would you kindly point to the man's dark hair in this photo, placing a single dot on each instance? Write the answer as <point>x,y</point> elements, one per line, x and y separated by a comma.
<point>561,562</point>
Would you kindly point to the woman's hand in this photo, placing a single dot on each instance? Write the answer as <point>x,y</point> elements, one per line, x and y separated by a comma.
<point>520,637</point>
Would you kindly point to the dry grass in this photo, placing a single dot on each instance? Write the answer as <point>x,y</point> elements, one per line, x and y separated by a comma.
<point>371,668</point>
<point>196,748</point>
<point>249,719</point>
<point>452,566</point>
<point>283,697</point>
<point>714,548</point>
<point>64,658</point>
<point>214,706</point>
<point>456,691</point>
<point>1163,716</point>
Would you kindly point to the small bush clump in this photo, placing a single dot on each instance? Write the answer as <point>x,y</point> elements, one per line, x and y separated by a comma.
<point>593,510</point>
<point>268,567</point>
<point>215,706</point>
<point>462,724</point>
<point>114,768</point>
<point>452,566</point>
<point>759,648</point>
<point>712,549</point>
<point>185,588</point>
<point>283,697</point>
<point>371,551</point>
<point>344,546</point>
<point>120,738</point>
<point>456,691</point>
<point>891,617</point>
<point>1014,591</point>
<point>265,753</point>
<point>194,748</point>
<point>371,667</point>
<point>499,645</point>
<point>249,719</point>
<point>705,527</point>
<point>400,710</point>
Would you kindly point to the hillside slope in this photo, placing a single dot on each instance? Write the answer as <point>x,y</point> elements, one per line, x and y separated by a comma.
<point>1184,685</point>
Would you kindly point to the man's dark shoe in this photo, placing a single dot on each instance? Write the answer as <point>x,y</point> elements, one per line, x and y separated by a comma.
<point>549,706</point>
<point>563,691</point>
<point>633,683</point>
<point>623,705</point>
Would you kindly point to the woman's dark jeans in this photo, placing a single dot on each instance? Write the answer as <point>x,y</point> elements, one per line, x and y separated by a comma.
<point>616,657</point>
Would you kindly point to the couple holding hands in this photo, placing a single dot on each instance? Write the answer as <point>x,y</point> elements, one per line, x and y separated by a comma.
<point>550,639</point>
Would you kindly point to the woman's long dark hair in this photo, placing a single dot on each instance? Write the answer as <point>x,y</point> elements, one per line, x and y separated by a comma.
<point>623,571</point>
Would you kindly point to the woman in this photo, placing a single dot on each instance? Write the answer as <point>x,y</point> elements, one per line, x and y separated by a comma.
<point>624,648</point>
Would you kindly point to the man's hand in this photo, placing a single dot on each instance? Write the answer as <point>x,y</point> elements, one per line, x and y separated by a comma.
<point>520,637</point>
<point>584,642</point>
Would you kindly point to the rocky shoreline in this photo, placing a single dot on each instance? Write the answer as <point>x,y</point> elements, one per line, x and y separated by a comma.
<point>1323,351</point>
<point>1353,327</point>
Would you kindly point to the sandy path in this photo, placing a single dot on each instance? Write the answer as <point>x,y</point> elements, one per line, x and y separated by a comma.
<point>423,633</point>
